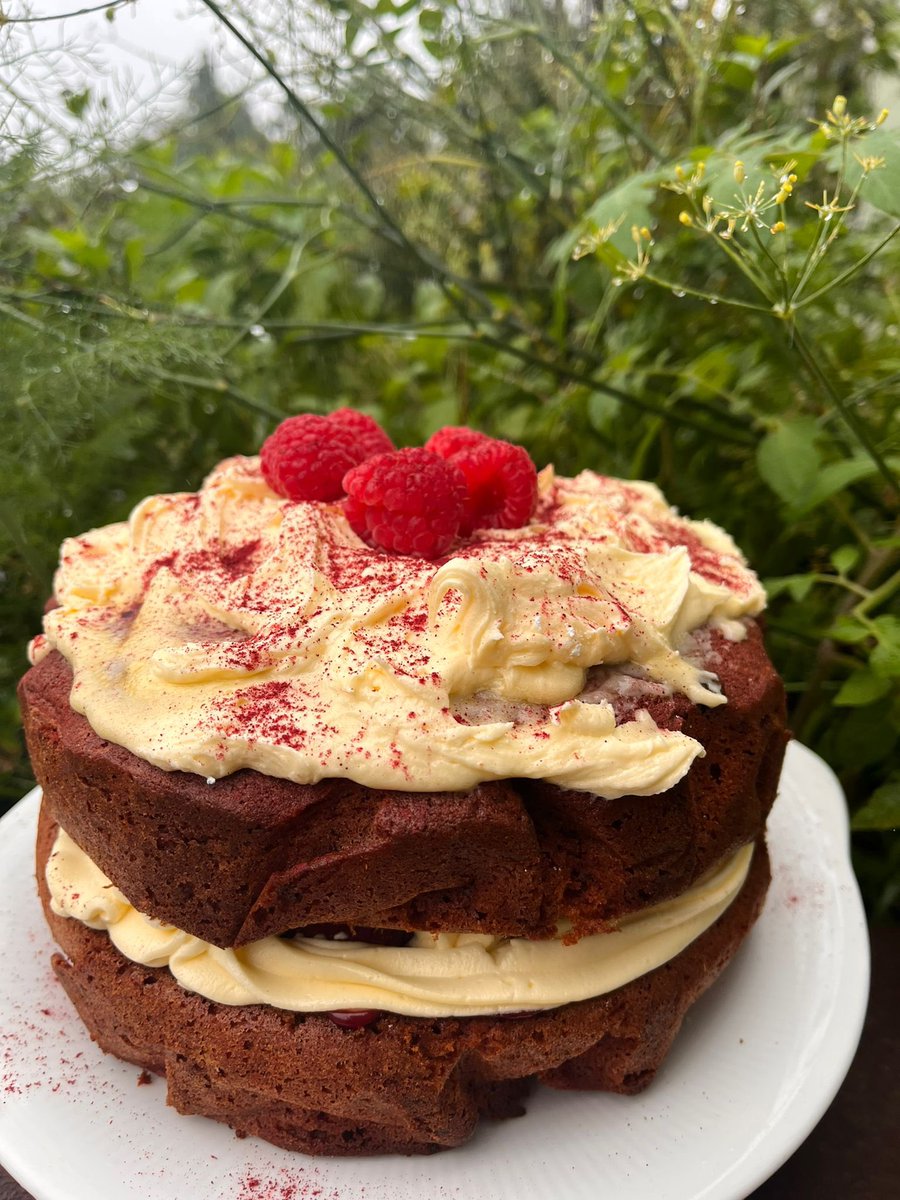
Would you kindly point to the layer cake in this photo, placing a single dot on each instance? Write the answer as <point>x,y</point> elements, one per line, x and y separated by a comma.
<point>354,845</point>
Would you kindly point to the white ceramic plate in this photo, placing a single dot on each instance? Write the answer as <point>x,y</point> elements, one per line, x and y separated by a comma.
<point>757,1063</point>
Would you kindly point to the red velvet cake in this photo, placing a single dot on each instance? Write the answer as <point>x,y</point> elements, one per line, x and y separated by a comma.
<point>379,784</point>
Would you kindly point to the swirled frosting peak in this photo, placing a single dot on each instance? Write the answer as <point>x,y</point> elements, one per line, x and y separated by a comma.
<point>231,628</point>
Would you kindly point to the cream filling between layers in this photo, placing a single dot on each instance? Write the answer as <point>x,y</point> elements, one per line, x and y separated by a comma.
<point>449,974</point>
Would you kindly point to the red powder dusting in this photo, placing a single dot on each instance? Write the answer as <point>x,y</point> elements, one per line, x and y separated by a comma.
<point>301,1184</point>
<point>36,1050</point>
<point>723,570</point>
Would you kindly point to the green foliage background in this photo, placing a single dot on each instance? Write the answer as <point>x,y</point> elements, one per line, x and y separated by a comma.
<point>494,213</point>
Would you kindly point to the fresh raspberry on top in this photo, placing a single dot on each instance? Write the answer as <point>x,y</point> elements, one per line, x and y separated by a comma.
<point>501,481</point>
<point>370,437</point>
<point>307,457</point>
<point>452,439</point>
<point>409,502</point>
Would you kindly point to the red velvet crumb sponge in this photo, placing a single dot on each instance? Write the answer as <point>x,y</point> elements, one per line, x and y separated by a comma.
<point>408,502</point>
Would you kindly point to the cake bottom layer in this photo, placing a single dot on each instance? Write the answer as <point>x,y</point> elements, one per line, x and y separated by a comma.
<point>400,1085</point>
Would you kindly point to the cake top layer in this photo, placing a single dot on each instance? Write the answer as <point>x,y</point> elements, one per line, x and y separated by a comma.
<point>232,628</point>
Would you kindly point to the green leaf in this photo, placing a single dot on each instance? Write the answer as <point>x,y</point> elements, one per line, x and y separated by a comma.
<point>882,187</point>
<point>882,811</point>
<point>753,46</point>
<point>797,586</point>
<point>862,687</point>
<point>77,102</point>
<point>788,460</point>
<point>736,74</point>
<point>834,477</point>
<point>845,559</point>
<point>625,205</point>
<point>885,658</point>
<point>783,46</point>
<point>602,411</point>
<point>133,251</point>
<point>846,629</point>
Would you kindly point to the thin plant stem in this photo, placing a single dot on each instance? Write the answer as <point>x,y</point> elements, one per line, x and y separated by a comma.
<point>617,111</point>
<point>78,12</point>
<point>714,297</point>
<point>222,387</point>
<point>850,271</point>
<point>395,230</point>
<point>856,426</point>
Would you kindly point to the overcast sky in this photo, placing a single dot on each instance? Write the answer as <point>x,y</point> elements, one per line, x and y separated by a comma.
<point>139,62</point>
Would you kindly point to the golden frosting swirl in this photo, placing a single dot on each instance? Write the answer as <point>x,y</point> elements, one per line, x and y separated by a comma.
<point>231,628</point>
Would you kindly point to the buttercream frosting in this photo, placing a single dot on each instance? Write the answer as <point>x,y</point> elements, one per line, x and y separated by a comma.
<point>231,628</point>
<point>448,974</point>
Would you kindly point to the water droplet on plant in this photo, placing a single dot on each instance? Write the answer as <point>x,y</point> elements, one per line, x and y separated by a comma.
<point>629,101</point>
<point>390,113</point>
<point>65,308</point>
<point>129,185</point>
<point>713,300</point>
<point>501,152</point>
<point>209,409</point>
<point>257,331</point>
<point>540,169</point>
<point>678,294</point>
<point>547,57</point>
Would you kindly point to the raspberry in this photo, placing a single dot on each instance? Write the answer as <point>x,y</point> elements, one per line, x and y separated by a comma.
<point>453,438</point>
<point>370,437</point>
<point>307,457</point>
<point>409,501</point>
<point>502,484</point>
